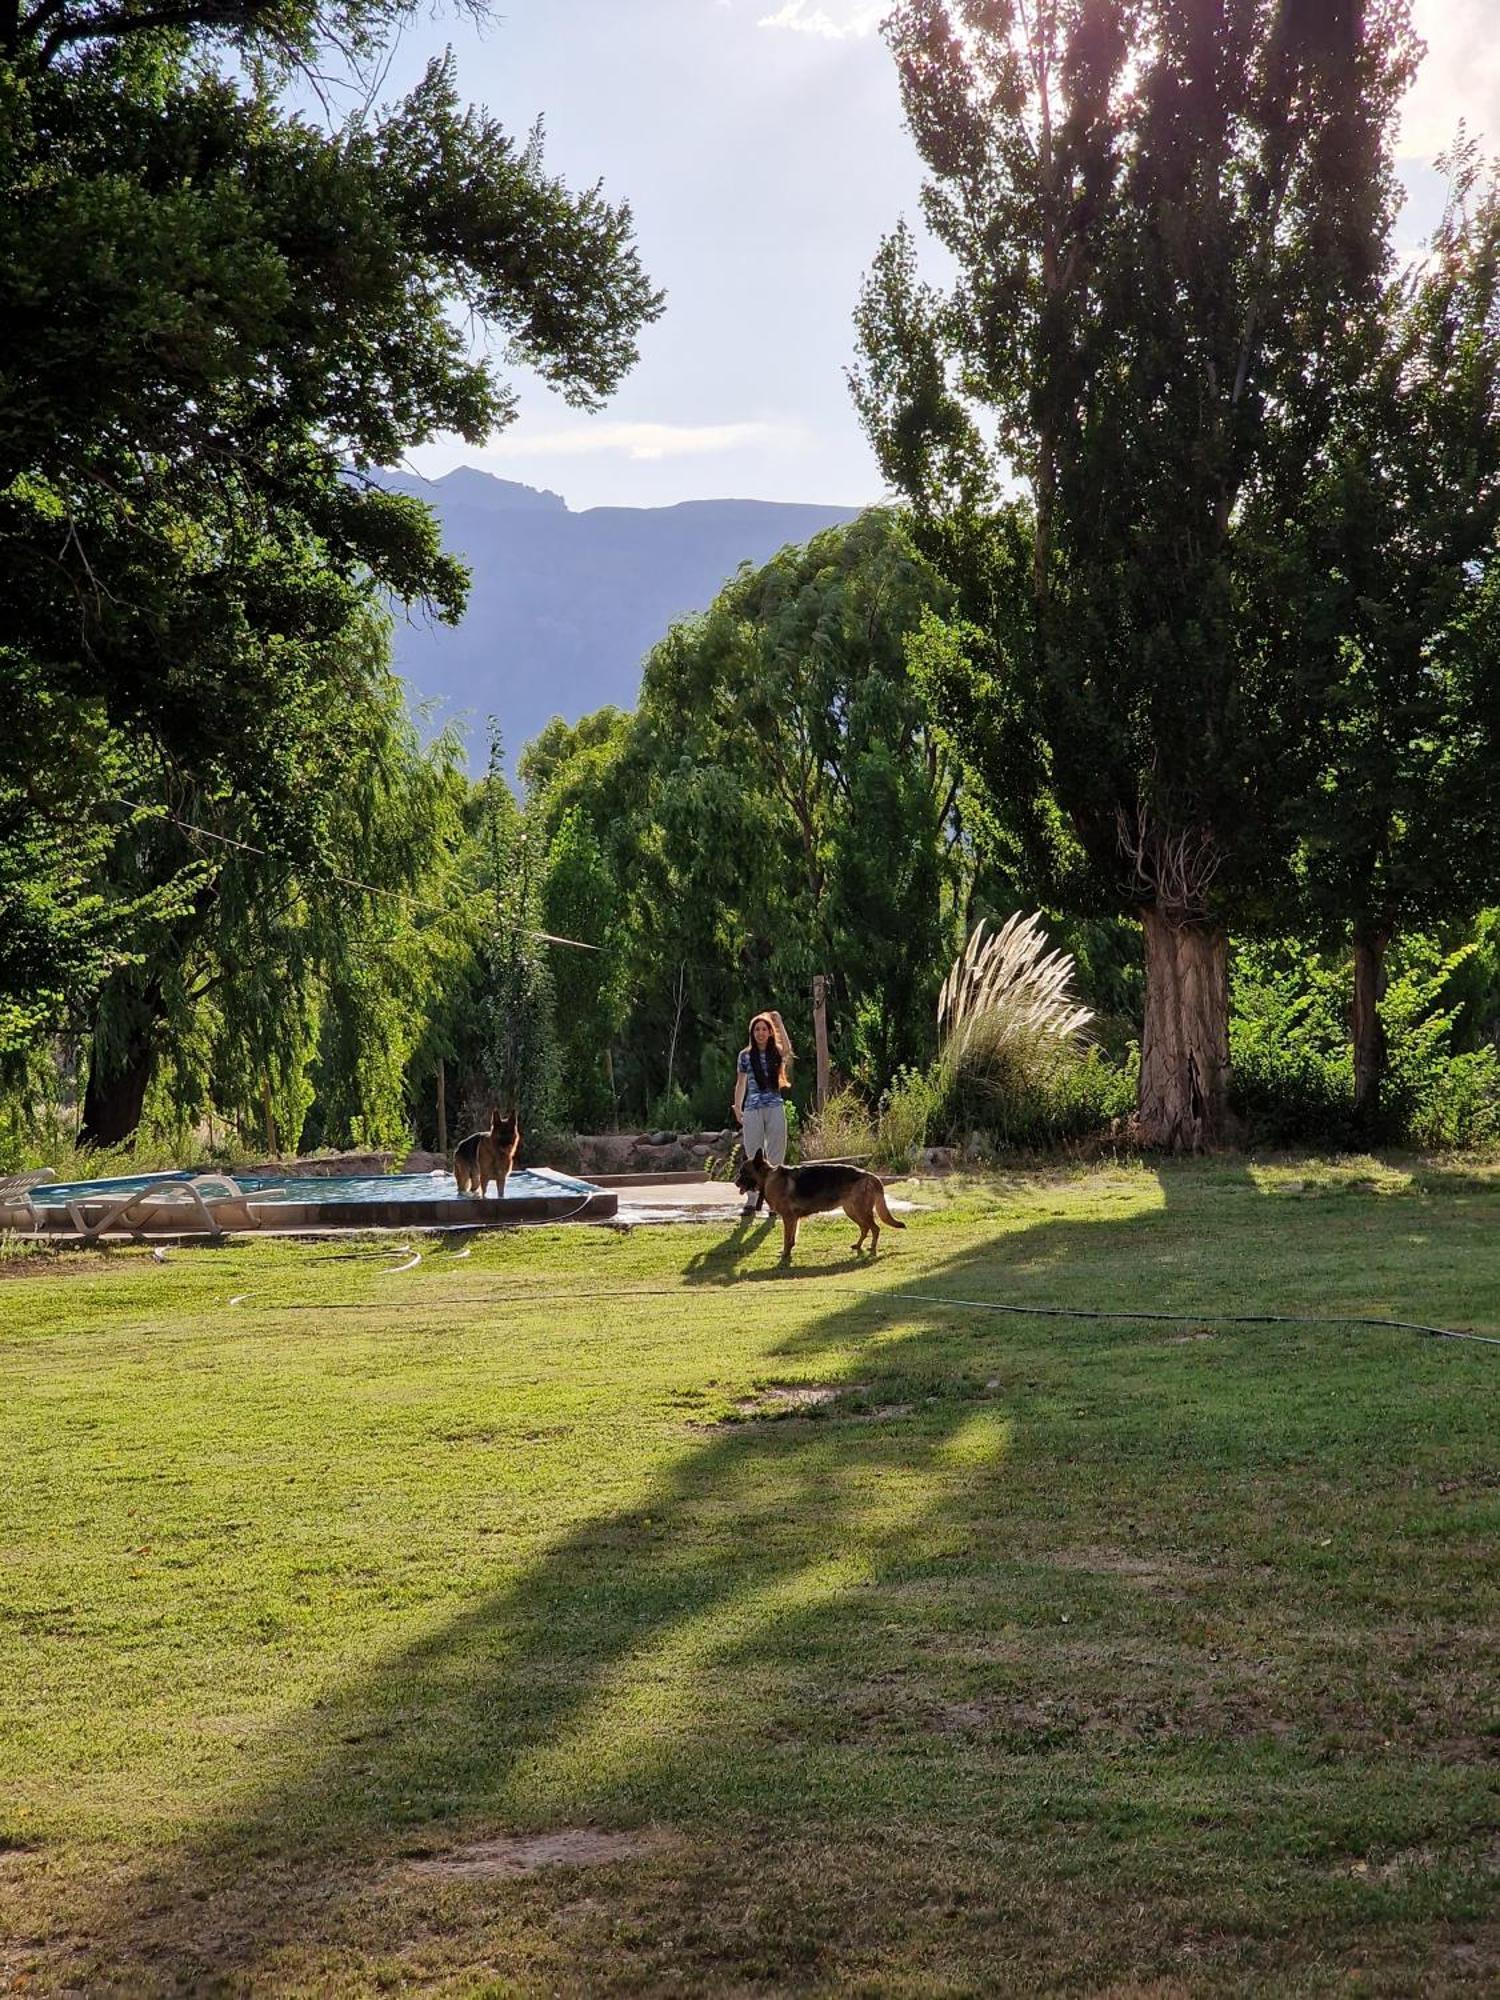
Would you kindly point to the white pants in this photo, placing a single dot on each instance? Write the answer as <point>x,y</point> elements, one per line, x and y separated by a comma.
<point>765,1131</point>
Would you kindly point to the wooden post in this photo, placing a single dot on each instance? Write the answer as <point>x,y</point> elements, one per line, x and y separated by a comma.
<point>820,1036</point>
<point>442,1109</point>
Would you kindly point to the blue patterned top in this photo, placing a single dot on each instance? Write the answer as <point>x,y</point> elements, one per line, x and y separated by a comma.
<point>756,1099</point>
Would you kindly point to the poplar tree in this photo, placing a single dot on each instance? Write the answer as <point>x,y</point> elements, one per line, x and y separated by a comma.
<point>1168,223</point>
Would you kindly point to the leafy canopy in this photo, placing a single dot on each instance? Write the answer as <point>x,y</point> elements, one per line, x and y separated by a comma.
<point>1167,223</point>
<point>219,315</point>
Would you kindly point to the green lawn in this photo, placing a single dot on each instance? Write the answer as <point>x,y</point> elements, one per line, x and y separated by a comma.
<point>1043,1655</point>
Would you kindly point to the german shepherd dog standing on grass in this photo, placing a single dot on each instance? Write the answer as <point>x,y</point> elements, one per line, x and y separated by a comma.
<point>792,1192</point>
<point>487,1156</point>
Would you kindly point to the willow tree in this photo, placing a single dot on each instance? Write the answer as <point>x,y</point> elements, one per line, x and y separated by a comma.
<point>1168,221</point>
<point>292,973</point>
<point>804,816</point>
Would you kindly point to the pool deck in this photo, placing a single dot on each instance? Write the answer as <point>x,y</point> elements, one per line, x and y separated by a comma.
<point>675,1199</point>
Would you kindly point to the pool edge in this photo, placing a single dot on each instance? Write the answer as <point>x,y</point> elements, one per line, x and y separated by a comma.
<point>245,1218</point>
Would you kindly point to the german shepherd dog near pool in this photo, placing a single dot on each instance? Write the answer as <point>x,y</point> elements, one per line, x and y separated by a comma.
<point>487,1156</point>
<point>792,1192</point>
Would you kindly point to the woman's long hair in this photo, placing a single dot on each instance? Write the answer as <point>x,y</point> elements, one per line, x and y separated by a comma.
<point>771,1067</point>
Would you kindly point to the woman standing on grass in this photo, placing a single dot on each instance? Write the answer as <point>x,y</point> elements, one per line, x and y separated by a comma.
<point>763,1078</point>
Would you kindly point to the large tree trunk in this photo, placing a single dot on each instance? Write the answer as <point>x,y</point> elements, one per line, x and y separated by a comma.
<point>1370,944</point>
<point>117,1083</point>
<point>112,1103</point>
<point>1183,1104</point>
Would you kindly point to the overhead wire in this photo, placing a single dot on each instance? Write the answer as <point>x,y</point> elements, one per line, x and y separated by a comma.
<point>444,911</point>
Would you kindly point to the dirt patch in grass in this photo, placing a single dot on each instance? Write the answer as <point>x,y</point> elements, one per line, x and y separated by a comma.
<point>793,1399</point>
<point>24,1258</point>
<point>806,1399</point>
<point>514,1854</point>
<point>1156,1567</point>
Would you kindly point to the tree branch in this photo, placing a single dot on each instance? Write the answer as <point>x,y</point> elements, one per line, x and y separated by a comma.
<point>28,29</point>
<point>100,27</point>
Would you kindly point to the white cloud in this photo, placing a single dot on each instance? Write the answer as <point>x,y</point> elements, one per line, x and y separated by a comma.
<point>1460,77</point>
<point>639,441</point>
<point>851,20</point>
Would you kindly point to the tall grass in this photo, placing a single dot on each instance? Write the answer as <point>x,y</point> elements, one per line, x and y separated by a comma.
<point>842,1130</point>
<point>1008,987</point>
<point>1013,1063</point>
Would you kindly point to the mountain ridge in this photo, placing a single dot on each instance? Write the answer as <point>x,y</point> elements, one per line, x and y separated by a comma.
<point>564,605</point>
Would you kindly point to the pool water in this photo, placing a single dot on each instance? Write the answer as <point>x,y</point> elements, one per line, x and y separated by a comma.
<point>523,1184</point>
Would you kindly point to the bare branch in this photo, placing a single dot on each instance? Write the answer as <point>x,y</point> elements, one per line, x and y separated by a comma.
<point>1173,873</point>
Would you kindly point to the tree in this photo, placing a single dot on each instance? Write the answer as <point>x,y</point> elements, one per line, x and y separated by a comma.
<point>779,806</point>
<point>286,975</point>
<point>218,317</point>
<point>582,899</point>
<point>60,934</point>
<point>520,1040</point>
<point>1169,226</point>
<point>1400,824</point>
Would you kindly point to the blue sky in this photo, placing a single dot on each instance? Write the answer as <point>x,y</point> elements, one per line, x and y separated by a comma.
<point>760,145</point>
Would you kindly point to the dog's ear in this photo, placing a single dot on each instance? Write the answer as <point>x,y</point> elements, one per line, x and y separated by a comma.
<point>760,1157</point>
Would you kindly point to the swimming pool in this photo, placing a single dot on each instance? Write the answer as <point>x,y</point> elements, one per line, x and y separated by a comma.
<point>153,1203</point>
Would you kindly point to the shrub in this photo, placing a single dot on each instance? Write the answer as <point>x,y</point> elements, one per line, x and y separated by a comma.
<point>906,1113</point>
<point>1292,1063</point>
<point>1433,1096</point>
<point>842,1130</point>
<point>1294,1067</point>
<point>1039,1095</point>
<point>672,1111</point>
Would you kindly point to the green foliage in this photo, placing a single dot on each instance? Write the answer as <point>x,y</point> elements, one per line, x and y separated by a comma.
<point>582,899</point>
<point>218,315</point>
<point>776,807</point>
<point>907,1111</point>
<point>1013,1068</point>
<point>316,989</point>
<point>1293,1069</point>
<point>672,1111</point>
<point>842,1130</point>
<point>1028,1091</point>
<point>1435,1095</point>
<point>1289,1045</point>
<point>520,1050</point>
<point>1397,822</point>
<point>1153,219</point>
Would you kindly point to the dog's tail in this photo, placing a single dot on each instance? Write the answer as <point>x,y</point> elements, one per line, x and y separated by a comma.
<point>883,1211</point>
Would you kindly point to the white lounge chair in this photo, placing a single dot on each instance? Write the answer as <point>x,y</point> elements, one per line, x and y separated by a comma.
<point>204,1197</point>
